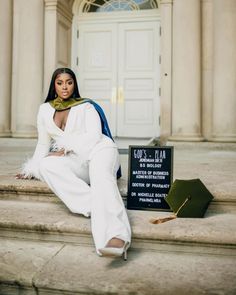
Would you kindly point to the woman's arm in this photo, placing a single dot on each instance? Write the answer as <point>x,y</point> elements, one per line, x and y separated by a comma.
<point>30,168</point>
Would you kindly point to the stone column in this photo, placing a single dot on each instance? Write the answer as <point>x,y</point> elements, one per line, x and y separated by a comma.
<point>207,67</point>
<point>5,66</point>
<point>186,96</point>
<point>166,66</point>
<point>50,42</point>
<point>27,79</point>
<point>224,81</point>
<point>57,43</point>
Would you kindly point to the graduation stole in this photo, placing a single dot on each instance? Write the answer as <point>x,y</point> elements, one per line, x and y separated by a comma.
<point>60,104</point>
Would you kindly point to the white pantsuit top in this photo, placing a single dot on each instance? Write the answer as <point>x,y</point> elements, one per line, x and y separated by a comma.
<point>85,178</point>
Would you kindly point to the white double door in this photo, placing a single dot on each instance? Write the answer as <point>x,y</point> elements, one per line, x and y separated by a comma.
<point>119,68</point>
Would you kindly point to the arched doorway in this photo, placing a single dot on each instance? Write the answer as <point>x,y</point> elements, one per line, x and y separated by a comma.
<point>116,56</point>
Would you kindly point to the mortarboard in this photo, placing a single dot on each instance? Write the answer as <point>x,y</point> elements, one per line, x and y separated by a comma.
<point>187,198</point>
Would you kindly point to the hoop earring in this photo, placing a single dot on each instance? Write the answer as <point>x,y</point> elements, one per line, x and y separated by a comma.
<point>56,95</point>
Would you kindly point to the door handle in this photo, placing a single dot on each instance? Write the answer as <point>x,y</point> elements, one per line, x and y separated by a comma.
<point>113,95</point>
<point>120,95</point>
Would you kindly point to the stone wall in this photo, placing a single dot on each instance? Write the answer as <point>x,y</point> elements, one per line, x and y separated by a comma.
<point>198,81</point>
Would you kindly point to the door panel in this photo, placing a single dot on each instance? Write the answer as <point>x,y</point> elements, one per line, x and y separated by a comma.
<point>142,112</point>
<point>118,68</point>
<point>138,110</point>
<point>97,66</point>
<point>138,47</point>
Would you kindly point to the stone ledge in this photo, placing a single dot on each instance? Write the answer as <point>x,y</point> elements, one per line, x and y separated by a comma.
<point>33,190</point>
<point>205,145</point>
<point>32,267</point>
<point>53,222</point>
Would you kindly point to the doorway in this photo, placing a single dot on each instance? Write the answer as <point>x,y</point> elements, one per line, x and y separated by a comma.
<point>118,67</point>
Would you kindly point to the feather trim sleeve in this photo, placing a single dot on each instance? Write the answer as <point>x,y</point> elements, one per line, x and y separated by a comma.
<point>30,169</point>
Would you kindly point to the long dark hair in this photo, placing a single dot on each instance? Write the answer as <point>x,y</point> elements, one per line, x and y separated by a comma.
<point>52,92</point>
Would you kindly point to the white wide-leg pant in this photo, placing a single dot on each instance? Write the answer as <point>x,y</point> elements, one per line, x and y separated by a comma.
<point>69,179</point>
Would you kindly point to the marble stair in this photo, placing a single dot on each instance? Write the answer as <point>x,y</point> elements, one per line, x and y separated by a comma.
<point>38,233</point>
<point>44,249</point>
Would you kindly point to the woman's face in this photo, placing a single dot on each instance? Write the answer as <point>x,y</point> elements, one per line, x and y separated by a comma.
<point>64,85</point>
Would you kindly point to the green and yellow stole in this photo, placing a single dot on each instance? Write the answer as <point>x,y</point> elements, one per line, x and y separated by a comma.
<point>60,104</point>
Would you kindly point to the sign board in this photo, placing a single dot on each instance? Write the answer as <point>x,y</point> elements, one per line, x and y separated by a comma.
<point>150,177</point>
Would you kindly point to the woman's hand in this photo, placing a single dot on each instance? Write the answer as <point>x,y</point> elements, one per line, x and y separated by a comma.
<point>23,176</point>
<point>60,153</point>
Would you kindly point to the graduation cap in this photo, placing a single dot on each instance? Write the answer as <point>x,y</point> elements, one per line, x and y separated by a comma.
<point>187,198</point>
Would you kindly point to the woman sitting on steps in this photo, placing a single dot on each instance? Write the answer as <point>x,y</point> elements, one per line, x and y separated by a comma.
<point>77,158</point>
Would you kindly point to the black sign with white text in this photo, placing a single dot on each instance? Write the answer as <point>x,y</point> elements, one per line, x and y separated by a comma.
<point>150,177</point>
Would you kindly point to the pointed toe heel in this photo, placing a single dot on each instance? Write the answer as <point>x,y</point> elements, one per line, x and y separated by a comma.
<point>125,255</point>
<point>115,252</point>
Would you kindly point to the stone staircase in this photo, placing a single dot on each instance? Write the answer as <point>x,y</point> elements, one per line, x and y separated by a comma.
<point>45,249</point>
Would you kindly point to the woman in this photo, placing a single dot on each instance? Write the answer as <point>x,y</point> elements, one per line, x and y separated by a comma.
<point>80,163</point>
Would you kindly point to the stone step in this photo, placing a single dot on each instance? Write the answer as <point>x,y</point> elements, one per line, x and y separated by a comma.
<point>33,190</point>
<point>39,268</point>
<point>48,221</point>
<point>45,249</point>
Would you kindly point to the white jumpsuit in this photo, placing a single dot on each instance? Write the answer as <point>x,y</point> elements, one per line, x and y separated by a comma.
<point>85,178</point>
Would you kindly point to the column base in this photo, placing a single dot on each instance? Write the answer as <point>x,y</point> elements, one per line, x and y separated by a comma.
<point>24,135</point>
<point>230,138</point>
<point>5,134</point>
<point>185,138</point>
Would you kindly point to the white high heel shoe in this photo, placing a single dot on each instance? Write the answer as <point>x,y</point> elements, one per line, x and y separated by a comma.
<point>115,252</point>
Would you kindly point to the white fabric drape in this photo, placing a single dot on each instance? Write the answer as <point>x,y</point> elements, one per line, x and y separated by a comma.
<point>85,178</point>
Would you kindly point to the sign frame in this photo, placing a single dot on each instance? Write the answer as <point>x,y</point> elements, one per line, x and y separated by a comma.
<point>130,170</point>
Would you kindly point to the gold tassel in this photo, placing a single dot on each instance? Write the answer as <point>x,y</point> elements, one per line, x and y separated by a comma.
<point>162,220</point>
<point>165,219</point>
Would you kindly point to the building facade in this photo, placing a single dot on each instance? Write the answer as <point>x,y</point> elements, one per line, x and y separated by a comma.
<point>157,67</point>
